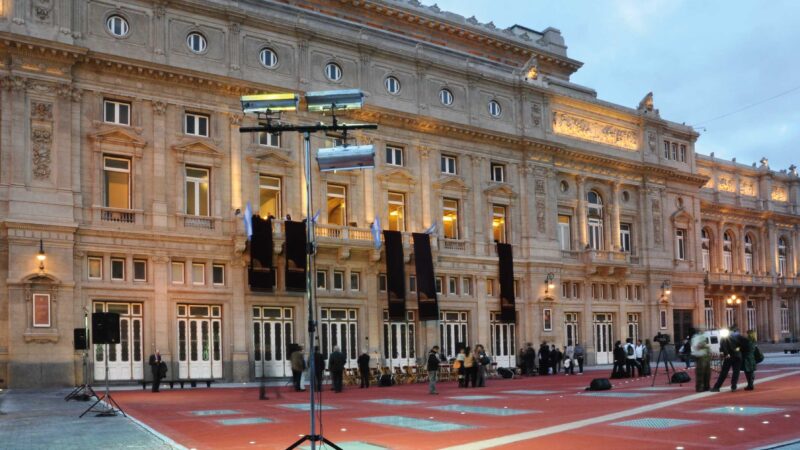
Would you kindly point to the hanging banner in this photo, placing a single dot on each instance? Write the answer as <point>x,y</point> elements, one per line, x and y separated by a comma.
<point>426,283</point>
<point>395,274</point>
<point>507,309</point>
<point>295,255</point>
<point>261,273</point>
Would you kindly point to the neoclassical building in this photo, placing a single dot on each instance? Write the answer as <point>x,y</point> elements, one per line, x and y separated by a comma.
<point>121,161</point>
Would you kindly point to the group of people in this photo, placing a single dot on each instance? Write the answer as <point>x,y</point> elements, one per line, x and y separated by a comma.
<point>630,359</point>
<point>337,361</point>
<point>550,360</point>
<point>738,352</point>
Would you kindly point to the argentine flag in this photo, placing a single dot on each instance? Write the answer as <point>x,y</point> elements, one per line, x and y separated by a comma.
<point>376,232</point>
<point>248,221</point>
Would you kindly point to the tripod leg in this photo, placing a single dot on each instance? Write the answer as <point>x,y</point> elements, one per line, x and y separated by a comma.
<point>300,441</point>
<point>99,399</point>
<point>331,444</point>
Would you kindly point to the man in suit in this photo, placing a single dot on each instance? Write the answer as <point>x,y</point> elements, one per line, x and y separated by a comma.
<point>155,369</point>
<point>730,348</point>
<point>363,369</point>
<point>298,366</point>
<point>336,363</point>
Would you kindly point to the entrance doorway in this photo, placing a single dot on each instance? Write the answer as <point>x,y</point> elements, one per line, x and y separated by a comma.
<point>339,327</point>
<point>504,344</point>
<point>272,334</point>
<point>199,341</point>
<point>453,331</point>
<point>603,338</point>
<point>681,322</point>
<point>125,361</point>
<point>399,341</point>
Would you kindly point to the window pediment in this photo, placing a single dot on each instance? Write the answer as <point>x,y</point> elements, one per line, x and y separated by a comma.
<point>116,139</point>
<point>681,216</point>
<point>399,175</point>
<point>451,183</point>
<point>500,190</point>
<point>269,158</point>
<point>198,151</point>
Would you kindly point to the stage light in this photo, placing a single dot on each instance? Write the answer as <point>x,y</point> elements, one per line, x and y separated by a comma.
<point>346,158</point>
<point>269,102</point>
<point>347,99</point>
<point>724,333</point>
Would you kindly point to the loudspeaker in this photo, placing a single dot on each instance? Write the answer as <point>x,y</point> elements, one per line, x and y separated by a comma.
<point>599,384</point>
<point>79,339</point>
<point>105,328</point>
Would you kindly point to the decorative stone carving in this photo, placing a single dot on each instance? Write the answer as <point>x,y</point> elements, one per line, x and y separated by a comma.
<point>539,187</point>
<point>726,184</point>
<point>764,163</point>
<point>595,131</point>
<point>15,83</point>
<point>652,141</point>
<point>42,138</point>
<point>236,119</point>
<point>536,112</point>
<point>41,111</point>
<point>42,9</point>
<point>159,108</point>
<point>779,193</point>
<point>747,187</point>
<point>540,215</point>
<point>68,91</point>
<point>657,231</point>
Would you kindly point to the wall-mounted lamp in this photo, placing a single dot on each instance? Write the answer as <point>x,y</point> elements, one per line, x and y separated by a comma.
<point>548,282</point>
<point>41,257</point>
<point>666,291</point>
<point>733,300</point>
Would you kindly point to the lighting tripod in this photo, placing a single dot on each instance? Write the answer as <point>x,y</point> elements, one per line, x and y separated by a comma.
<point>111,407</point>
<point>663,355</point>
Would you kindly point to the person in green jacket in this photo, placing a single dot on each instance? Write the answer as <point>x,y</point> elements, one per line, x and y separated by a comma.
<point>749,359</point>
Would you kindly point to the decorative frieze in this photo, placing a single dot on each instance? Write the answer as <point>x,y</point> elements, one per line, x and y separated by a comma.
<point>779,193</point>
<point>592,130</point>
<point>747,187</point>
<point>42,139</point>
<point>42,111</point>
<point>726,184</point>
<point>657,229</point>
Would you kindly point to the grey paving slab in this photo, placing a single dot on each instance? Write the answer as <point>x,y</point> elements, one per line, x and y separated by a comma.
<point>41,419</point>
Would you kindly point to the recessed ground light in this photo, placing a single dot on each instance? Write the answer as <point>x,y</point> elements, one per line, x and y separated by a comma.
<point>252,442</point>
<point>678,448</point>
<point>740,429</point>
<point>712,437</point>
<point>786,415</point>
<point>344,429</point>
<point>765,422</point>
<point>462,413</point>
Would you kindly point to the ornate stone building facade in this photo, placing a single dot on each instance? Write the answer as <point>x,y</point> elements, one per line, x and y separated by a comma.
<point>120,152</point>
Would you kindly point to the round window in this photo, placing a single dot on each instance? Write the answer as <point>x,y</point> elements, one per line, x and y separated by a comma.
<point>446,97</point>
<point>564,186</point>
<point>392,85</point>
<point>494,108</point>
<point>196,42</point>
<point>117,25</point>
<point>268,57</point>
<point>333,72</point>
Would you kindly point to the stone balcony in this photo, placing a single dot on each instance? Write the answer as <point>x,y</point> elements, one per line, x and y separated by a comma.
<point>116,216</point>
<point>605,262</point>
<point>750,283</point>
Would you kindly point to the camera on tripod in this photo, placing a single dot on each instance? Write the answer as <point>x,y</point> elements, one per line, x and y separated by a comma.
<point>662,339</point>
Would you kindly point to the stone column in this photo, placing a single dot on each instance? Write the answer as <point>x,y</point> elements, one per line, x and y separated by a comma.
<point>236,162</point>
<point>159,33</point>
<point>425,189</point>
<point>772,248</point>
<point>159,204</point>
<point>739,265</point>
<point>239,315</point>
<point>583,238</point>
<point>615,237</point>
<point>163,315</point>
<point>480,208</point>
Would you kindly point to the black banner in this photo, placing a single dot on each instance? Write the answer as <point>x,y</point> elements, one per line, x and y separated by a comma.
<point>261,274</point>
<point>395,274</point>
<point>295,255</point>
<point>507,309</point>
<point>426,284</point>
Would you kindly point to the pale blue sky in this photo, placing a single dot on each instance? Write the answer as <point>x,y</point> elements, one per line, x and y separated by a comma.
<point>701,58</point>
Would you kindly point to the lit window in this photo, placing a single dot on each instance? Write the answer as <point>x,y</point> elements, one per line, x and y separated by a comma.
<point>197,186</point>
<point>333,72</point>
<point>705,247</point>
<point>337,213</point>
<point>117,178</point>
<point>139,270</point>
<point>355,281</point>
<point>490,287</point>
<point>499,223</point>
<point>95,268</point>
<point>117,112</point>
<point>269,189</point>
<point>547,317</point>
<point>196,42</point>
<point>498,172</point>
<point>218,274</point>
<point>196,125</point>
<point>198,273</point>
<point>396,212</point>
<point>446,97</point>
<point>268,57</point>
<point>394,155</point>
<point>494,108</point>
<point>117,25</point>
<point>269,139</point>
<point>564,232</point>
<point>450,218</point>
<point>392,85</point>
<point>177,272</point>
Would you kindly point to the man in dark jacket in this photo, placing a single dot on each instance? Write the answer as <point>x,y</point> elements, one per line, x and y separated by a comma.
<point>298,366</point>
<point>544,358</point>
<point>318,366</point>
<point>555,359</point>
<point>156,369</point>
<point>336,363</point>
<point>730,348</point>
<point>529,360</point>
<point>433,370</point>
<point>363,368</point>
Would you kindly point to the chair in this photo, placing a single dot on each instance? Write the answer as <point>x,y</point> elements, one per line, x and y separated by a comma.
<point>399,376</point>
<point>411,374</point>
<point>350,376</point>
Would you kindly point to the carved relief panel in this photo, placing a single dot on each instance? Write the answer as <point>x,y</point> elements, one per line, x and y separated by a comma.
<point>41,138</point>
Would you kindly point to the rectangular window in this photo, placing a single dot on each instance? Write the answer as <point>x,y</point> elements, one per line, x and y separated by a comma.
<point>490,287</point>
<point>638,293</point>
<point>269,193</point>
<point>499,223</point>
<point>397,211</point>
<point>338,281</point>
<point>565,290</point>
<point>628,292</point>
<point>196,124</point>
<point>139,270</point>
<point>452,286</point>
<point>177,272</point>
<point>576,290</point>
<point>498,173</point>
<point>595,234</point>
<point>218,274</point>
<point>117,269</point>
<point>680,244</point>
<point>603,292</point>
<point>41,310</point>
<point>595,292</point>
<point>662,319</point>
<point>117,180</point>
<point>466,286</point>
<point>394,155</point>
<point>95,268</point>
<point>355,281</point>
<point>674,151</point>
<point>382,282</point>
<point>197,189</point>
<point>117,112</point>
<point>198,273</point>
<point>412,283</point>
<point>269,139</point>
<point>682,154</point>
<point>709,314</point>
<point>625,237</point>
<point>450,218</point>
<point>784,317</point>
<point>448,164</point>
<point>322,279</point>
<point>439,282</point>
<point>547,319</point>
<point>666,149</point>
<point>564,232</point>
<point>337,206</point>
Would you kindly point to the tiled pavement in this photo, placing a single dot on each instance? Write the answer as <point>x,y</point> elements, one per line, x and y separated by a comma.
<point>41,419</point>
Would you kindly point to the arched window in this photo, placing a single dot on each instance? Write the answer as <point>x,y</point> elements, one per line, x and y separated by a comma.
<point>727,253</point>
<point>595,220</point>
<point>748,254</point>
<point>782,252</point>
<point>705,244</point>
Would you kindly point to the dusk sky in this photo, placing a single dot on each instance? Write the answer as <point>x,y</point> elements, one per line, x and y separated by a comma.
<point>729,68</point>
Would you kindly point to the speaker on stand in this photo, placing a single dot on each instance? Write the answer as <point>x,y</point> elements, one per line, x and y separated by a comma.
<point>105,332</point>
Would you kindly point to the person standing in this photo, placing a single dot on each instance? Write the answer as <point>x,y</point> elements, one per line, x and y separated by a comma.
<point>578,352</point>
<point>433,370</point>
<point>544,358</point>
<point>363,369</point>
<point>686,351</point>
<point>483,361</point>
<point>618,371</point>
<point>731,359</point>
<point>336,363</point>
<point>630,359</point>
<point>470,368</point>
<point>702,360</point>
<point>318,366</point>
<point>156,369</point>
<point>555,360</point>
<point>749,359</point>
<point>569,355</point>
<point>459,366</point>
<point>639,352</point>
<point>298,366</point>
<point>529,358</point>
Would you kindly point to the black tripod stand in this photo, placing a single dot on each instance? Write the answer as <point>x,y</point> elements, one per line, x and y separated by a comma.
<point>83,392</point>
<point>663,355</point>
<point>111,407</point>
